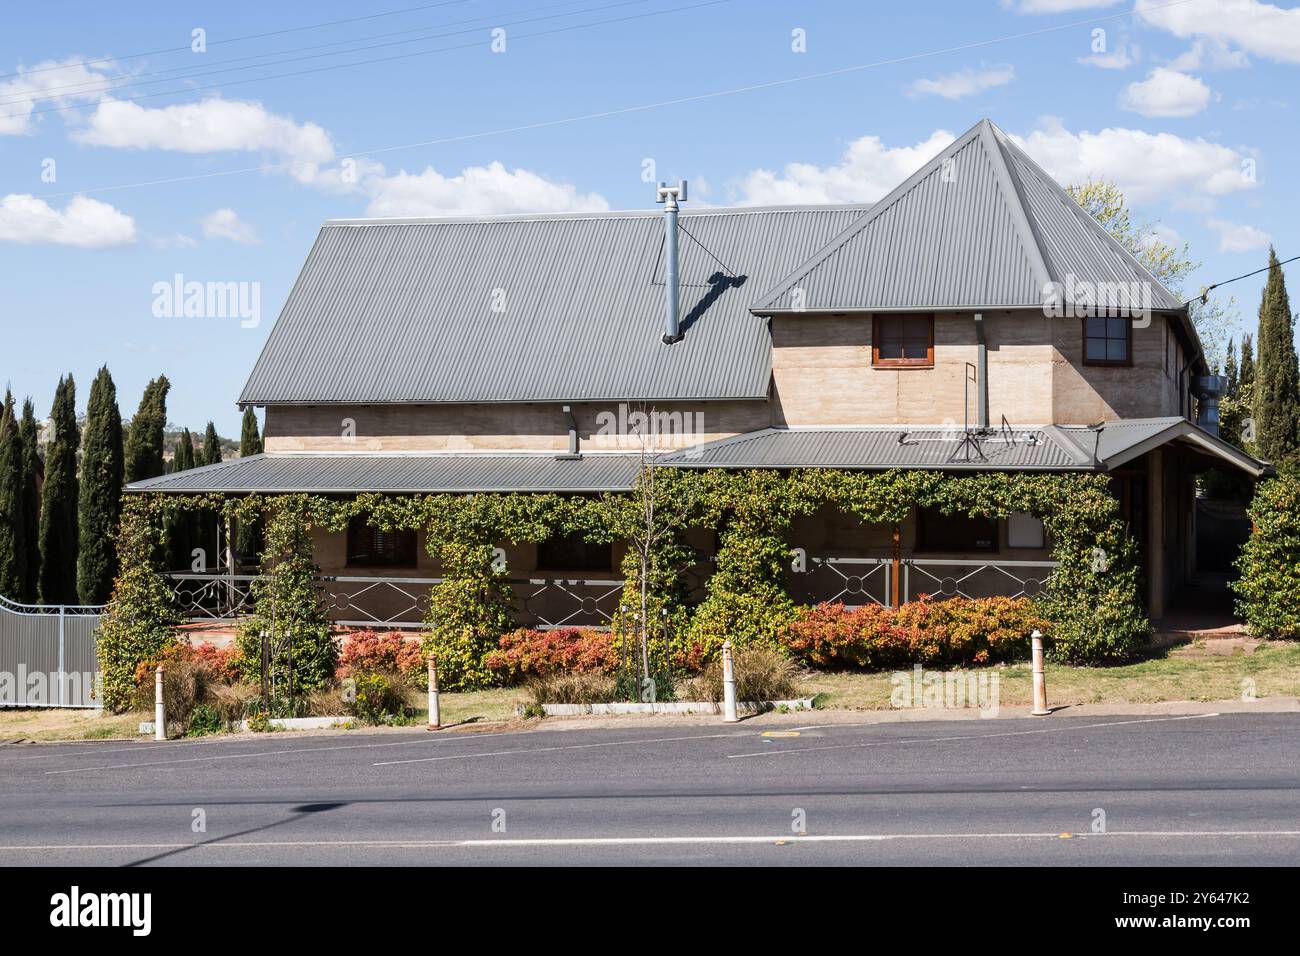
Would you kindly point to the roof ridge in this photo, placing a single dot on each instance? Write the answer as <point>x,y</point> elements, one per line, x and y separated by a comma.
<point>580,216</point>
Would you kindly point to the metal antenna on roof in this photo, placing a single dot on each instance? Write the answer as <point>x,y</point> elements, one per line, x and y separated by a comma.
<point>670,196</point>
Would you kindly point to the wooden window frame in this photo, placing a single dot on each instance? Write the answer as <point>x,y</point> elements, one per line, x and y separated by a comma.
<point>878,362</point>
<point>357,525</point>
<point>1127,361</point>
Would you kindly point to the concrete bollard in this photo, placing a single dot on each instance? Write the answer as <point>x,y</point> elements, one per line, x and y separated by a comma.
<point>435,712</point>
<point>728,686</point>
<point>159,709</point>
<point>1040,678</point>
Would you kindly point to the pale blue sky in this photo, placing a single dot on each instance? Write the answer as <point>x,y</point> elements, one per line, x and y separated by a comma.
<point>229,183</point>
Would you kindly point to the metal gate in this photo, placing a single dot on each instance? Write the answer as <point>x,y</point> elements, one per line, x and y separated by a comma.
<point>47,655</point>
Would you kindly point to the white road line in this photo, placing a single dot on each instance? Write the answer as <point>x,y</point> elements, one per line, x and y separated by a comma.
<point>786,839</point>
<point>538,750</point>
<point>1058,728</point>
<point>294,750</point>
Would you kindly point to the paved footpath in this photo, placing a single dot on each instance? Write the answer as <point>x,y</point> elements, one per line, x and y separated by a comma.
<point>1204,787</point>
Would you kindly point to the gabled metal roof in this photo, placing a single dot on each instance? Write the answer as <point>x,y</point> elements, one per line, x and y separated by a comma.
<point>928,447</point>
<point>533,308</point>
<point>401,473</point>
<point>1122,441</point>
<point>979,226</point>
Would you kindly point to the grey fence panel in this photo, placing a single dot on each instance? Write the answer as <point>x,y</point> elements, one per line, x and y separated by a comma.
<point>47,655</point>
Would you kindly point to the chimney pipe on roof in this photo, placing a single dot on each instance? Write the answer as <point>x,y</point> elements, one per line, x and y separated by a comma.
<point>670,196</point>
<point>982,384</point>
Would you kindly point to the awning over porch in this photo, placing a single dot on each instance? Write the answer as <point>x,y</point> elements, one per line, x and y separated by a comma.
<point>948,448</point>
<point>398,473</point>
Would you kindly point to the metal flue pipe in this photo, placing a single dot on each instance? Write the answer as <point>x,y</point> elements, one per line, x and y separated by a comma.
<point>670,196</point>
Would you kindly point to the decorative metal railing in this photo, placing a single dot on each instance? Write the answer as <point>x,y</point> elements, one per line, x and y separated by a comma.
<point>974,578</point>
<point>854,581</point>
<point>402,602</point>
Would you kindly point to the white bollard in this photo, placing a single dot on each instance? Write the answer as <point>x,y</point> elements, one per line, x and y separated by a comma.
<point>159,711</point>
<point>1040,678</point>
<point>728,686</point>
<point>435,712</point>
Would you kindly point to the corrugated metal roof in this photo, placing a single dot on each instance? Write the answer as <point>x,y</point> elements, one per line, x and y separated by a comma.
<point>352,473</point>
<point>1119,442</point>
<point>403,310</point>
<point>897,446</point>
<point>979,226</point>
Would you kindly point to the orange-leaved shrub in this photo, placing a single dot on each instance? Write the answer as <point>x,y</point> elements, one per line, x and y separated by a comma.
<point>954,631</point>
<point>374,652</point>
<point>222,664</point>
<point>526,653</point>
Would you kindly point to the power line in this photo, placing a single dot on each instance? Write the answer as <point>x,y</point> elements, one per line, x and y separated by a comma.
<point>386,59</point>
<point>623,111</point>
<point>250,36</point>
<point>1206,291</point>
<point>88,89</point>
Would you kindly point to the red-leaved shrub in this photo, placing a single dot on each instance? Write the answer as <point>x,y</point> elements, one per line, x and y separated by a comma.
<point>371,652</point>
<point>221,663</point>
<point>529,653</point>
<point>955,631</point>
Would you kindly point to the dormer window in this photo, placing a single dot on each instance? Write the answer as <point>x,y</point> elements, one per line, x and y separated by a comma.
<point>902,340</point>
<point>1107,340</point>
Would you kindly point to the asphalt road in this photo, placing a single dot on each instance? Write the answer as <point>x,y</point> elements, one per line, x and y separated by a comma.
<point>1174,791</point>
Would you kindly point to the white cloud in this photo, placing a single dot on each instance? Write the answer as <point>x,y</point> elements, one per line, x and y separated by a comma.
<point>1165,92</point>
<point>967,82</point>
<point>210,126</point>
<point>1058,6</point>
<point>1121,58</point>
<point>226,224</point>
<point>56,82</point>
<point>1146,166</point>
<point>84,222</point>
<point>1209,55</point>
<point>476,191</point>
<point>867,170</point>
<point>1257,28</point>
<point>1238,237</point>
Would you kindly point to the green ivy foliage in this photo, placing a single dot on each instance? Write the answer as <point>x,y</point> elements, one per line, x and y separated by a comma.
<point>141,616</point>
<point>288,606</point>
<point>1268,591</point>
<point>1092,599</point>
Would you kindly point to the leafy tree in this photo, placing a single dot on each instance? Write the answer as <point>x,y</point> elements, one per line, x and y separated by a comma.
<point>31,503</point>
<point>58,530</point>
<point>101,492</point>
<point>250,442</point>
<point>13,548</point>
<point>1277,375</point>
<point>144,443</point>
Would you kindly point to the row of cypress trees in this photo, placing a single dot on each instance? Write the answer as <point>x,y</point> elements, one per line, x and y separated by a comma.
<point>57,540</point>
<point>1261,410</point>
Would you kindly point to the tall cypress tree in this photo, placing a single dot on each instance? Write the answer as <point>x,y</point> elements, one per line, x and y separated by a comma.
<point>13,548</point>
<point>144,443</point>
<point>101,492</point>
<point>31,503</point>
<point>211,445</point>
<point>58,578</point>
<point>248,538</point>
<point>179,527</point>
<point>1247,372</point>
<point>1230,406</point>
<point>1277,373</point>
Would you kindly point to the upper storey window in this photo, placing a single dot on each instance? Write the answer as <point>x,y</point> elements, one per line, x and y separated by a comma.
<point>902,340</point>
<point>1107,340</point>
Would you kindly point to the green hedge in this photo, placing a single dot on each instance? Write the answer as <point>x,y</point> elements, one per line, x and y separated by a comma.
<point>1268,591</point>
